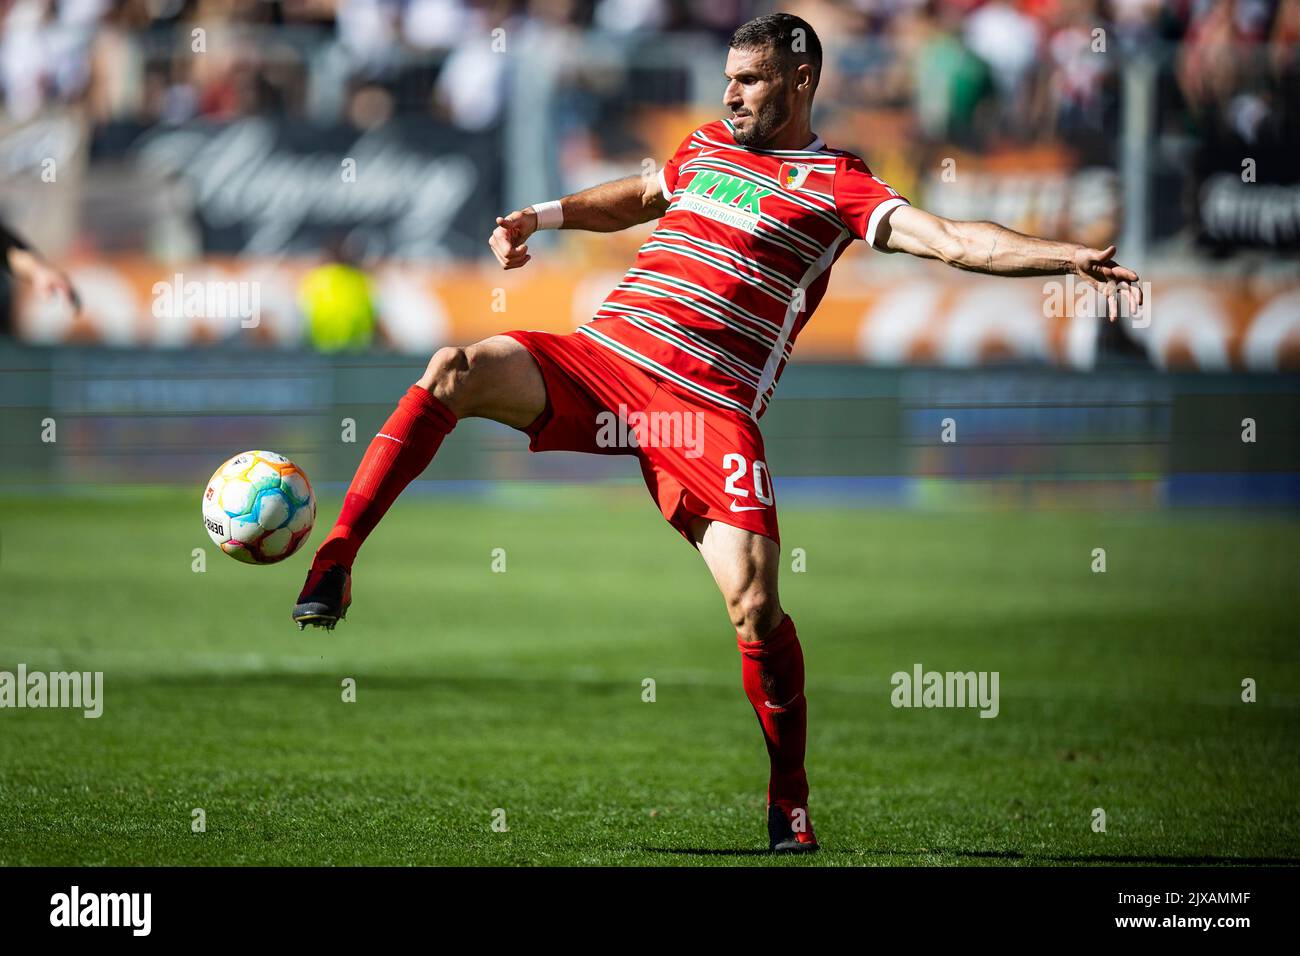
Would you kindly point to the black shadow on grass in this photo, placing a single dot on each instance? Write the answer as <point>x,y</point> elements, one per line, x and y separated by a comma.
<point>1100,859</point>
<point>1009,855</point>
<point>1177,860</point>
<point>709,851</point>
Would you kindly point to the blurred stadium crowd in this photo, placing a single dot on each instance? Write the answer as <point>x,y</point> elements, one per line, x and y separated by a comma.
<point>210,134</point>
<point>966,67</point>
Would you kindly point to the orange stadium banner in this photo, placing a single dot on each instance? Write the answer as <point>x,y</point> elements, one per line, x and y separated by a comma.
<point>924,316</point>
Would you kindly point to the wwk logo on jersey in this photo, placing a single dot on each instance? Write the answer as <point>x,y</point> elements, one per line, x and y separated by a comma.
<point>794,175</point>
<point>726,199</point>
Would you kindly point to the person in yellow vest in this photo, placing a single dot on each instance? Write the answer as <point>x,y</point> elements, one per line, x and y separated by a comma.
<point>338,303</point>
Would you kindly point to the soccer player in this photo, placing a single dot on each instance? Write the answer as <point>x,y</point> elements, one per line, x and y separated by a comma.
<point>753,211</point>
<point>25,263</point>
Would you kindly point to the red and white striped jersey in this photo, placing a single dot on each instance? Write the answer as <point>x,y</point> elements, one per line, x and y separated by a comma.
<point>721,289</point>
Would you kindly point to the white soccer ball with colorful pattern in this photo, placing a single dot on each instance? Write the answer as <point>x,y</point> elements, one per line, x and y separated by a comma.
<point>259,507</point>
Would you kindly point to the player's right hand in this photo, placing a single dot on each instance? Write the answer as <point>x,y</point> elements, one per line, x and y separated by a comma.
<point>509,239</point>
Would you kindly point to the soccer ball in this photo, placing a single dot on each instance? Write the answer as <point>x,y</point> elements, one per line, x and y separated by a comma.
<point>259,507</point>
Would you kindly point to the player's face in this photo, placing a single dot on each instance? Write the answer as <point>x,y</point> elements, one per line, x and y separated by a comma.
<point>758,96</point>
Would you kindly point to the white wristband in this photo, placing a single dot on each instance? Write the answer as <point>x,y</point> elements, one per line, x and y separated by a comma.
<point>550,215</point>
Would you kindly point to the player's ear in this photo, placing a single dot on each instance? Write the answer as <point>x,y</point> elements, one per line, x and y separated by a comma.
<point>803,78</point>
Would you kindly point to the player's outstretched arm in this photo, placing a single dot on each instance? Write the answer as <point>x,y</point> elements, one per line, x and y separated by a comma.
<point>996,250</point>
<point>608,207</point>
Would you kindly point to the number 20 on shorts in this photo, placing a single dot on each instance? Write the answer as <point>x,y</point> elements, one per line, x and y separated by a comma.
<point>761,479</point>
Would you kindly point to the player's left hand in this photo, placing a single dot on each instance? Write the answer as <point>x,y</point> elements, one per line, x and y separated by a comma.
<point>1115,280</point>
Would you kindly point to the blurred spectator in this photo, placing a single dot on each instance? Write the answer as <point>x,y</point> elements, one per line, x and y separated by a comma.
<point>471,87</point>
<point>949,81</point>
<point>1008,41</point>
<point>1078,67</point>
<point>44,51</point>
<point>632,16</point>
<point>437,24</point>
<point>368,31</point>
<point>338,303</point>
<point>1136,22</point>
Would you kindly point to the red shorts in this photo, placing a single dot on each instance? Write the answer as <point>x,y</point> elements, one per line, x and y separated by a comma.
<point>698,460</point>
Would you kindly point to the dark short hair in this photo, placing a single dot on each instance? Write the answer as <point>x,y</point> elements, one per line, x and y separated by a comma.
<point>780,32</point>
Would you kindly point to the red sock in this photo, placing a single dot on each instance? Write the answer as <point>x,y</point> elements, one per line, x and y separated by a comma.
<point>772,672</point>
<point>397,455</point>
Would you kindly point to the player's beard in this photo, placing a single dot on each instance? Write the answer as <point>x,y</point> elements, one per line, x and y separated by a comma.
<point>767,122</point>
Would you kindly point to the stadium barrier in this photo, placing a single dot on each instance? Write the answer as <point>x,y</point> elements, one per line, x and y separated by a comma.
<point>90,418</point>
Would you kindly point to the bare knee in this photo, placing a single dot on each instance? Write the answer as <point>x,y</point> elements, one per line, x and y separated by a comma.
<point>449,376</point>
<point>755,612</point>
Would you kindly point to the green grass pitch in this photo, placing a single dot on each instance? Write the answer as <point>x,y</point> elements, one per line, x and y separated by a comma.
<point>522,690</point>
